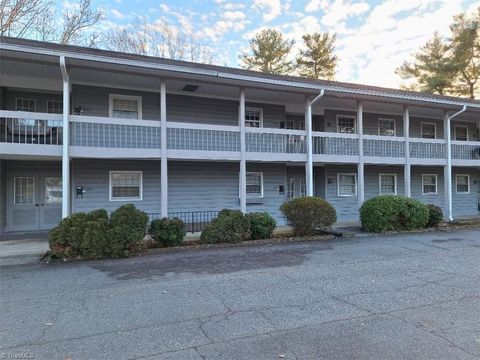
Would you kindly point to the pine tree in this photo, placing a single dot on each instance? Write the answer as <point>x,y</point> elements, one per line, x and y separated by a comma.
<point>317,59</point>
<point>269,52</point>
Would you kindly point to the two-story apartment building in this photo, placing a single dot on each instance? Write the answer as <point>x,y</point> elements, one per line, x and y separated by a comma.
<point>82,129</point>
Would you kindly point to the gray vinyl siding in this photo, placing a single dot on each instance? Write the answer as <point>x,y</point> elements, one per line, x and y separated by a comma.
<point>346,206</point>
<point>372,179</point>
<point>465,204</point>
<point>416,129</point>
<point>416,185</point>
<point>319,181</point>
<point>40,98</point>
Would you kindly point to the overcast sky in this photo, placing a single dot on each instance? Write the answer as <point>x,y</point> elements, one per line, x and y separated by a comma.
<point>374,37</point>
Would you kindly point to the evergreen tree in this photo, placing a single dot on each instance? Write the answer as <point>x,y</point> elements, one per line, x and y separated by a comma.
<point>317,59</point>
<point>269,52</point>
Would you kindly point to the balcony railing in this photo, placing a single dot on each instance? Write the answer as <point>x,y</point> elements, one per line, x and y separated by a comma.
<point>427,148</point>
<point>466,150</point>
<point>383,146</point>
<point>21,127</point>
<point>326,143</point>
<point>268,140</point>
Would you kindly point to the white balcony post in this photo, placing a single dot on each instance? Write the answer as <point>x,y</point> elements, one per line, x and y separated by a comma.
<point>447,170</point>
<point>243,163</point>
<point>309,164</point>
<point>163,146</point>
<point>408,167</point>
<point>361,165</point>
<point>65,140</point>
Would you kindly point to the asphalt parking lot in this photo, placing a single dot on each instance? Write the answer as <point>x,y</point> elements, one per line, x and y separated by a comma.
<point>414,296</point>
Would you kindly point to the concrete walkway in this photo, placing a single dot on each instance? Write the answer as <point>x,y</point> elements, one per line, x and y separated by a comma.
<point>22,251</point>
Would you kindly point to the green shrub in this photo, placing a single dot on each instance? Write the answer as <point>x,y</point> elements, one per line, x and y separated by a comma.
<point>130,225</point>
<point>435,215</point>
<point>230,226</point>
<point>393,213</point>
<point>308,214</point>
<point>97,214</point>
<point>167,232</point>
<point>66,238</point>
<point>261,225</point>
<point>96,242</point>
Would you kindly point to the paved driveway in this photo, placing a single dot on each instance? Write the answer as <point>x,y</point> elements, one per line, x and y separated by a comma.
<point>393,297</point>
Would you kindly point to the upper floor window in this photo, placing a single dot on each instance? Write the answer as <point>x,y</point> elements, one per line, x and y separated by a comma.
<point>463,184</point>
<point>125,185</point>
<point>386,127</point>
<point>125,106</point>
<point>429,184</point>
<point>253,117</point>
<point>254,184</point>
<point>429,130</point>
<point>54,106</point>
<point>22,104</point>
<point>346,124</point>
<point>347,184</point>
<point>461,132</point>
<point>388,184</point>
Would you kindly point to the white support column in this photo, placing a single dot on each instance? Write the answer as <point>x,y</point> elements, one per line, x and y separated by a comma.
<point>65,140</point>
<point>243,162</point>
<point>361,165</point>
<point>309,164</point>
<point>163,146</point>
<point>448,168</point>
<point>408,168</point>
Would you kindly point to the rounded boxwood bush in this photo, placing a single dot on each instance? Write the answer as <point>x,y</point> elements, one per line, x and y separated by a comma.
<point>66,238</point>
<point>435,215</point>
<point>261,225</point>
<point>167,232</point>
<point>97,214</point>
<point>230,226</point>
<point>130,225</point>
<point>393,213</point>
<point>308,214</point>
<point>96,241</point>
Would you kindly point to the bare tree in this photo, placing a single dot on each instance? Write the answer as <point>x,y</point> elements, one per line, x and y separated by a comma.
<point>23,18</point>
<point>77,20</point>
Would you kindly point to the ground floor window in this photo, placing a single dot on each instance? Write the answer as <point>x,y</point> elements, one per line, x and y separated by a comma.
<point>388,184</point>
<point>125,185</point>
<point>429,184</point>
<point>24,190</point>
<point>254,184</point>
<point>347,184</point>
<point>462,184</point>
<point>53,190</point>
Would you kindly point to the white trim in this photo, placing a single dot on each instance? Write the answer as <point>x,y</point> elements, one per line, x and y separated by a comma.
<point>110,120</point>
<point>468,184</point>
<point>138,99</point>
<point>28,99</point>
<point>384,138</point>
<point>331,134</point>
<point>354,117</point>
<point>436,185</point>
<point>455,132</point>
<point>380,183</point>
<point>434,141</point>
<point>380,119</point>
<point>338,184</point>
<point>434,129</point>
<point>29,115</point>
<point>261,184</point>
<point>140,198</point>
<point>15,190</point>
<point>260,110</point>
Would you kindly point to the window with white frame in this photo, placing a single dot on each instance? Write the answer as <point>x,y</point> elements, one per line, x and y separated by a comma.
<point>428,130</point>
<point>53,190</point>
<point>387,184</point>
<point>253,117</point>
<point>126,185</point>
<point>125,106</point>
<point>462,184</point>
<point>254,184</point>
<point>23,190</point>
<point>347,184</point>
<point>429,184</point>
<point>386,127</point>
<point>346,124</point>
<point>22,104</point>
<point>461,132</point>
<point>54,106</point>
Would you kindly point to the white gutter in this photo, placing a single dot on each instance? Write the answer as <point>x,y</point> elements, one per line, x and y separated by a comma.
<point>225,75</point>
<point>308,127</point>
<point>448,179</point>
<point>66,140</point>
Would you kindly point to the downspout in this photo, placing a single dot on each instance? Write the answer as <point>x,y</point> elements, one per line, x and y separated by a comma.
<point>449,162</point>
<point>66,140</point>
<point>308,127</point>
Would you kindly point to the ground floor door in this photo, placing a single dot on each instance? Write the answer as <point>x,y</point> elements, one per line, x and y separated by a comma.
<point>34,200</point>
<point>296,186</point>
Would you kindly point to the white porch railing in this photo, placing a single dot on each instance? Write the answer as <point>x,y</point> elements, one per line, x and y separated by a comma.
<point>327,143</point>
<point>114,133</point>
<point>383,146</point>
<point>202,137</point>
<point>466,150</point>
<point>269,140</point>
<point>427,148</point>
<point>21,127</point>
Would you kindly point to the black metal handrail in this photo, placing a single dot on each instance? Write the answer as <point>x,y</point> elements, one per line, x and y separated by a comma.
<point>195,221</point>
